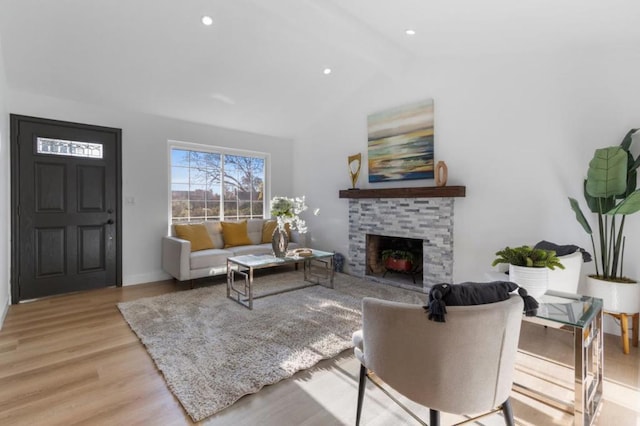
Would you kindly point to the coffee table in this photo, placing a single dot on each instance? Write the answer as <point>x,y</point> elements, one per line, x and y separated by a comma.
<point>244,266</point>
<point>581,316</point>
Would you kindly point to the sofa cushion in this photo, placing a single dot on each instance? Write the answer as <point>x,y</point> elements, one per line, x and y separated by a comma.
<point>254,230</point>
<point>235,234</point>
<point>252,249</point>
<point>257,249</point>
<point>196,234</point>
<point>215,232</point>
<point>209,258</point>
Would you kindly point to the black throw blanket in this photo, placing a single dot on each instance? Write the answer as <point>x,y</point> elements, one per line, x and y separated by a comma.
<point>563,250</point>
<point>470,293</point>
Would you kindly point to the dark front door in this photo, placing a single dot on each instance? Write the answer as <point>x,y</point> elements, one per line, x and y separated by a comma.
<point>65,207</point>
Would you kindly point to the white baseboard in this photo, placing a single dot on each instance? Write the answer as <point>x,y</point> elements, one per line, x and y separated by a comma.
<point>3,314</point>
<point>148,277</point>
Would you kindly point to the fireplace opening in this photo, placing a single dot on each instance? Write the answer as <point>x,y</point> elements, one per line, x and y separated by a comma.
<point>395,260</point>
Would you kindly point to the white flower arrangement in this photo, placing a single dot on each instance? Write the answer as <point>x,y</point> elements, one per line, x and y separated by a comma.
<point>287,210</point>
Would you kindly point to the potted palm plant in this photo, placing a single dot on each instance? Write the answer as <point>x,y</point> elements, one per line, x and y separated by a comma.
<point>529,267</point>
<point>610,193</point>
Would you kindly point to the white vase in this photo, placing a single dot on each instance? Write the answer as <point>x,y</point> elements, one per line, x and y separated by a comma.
<point>616,297</point>
<point>534,280</point>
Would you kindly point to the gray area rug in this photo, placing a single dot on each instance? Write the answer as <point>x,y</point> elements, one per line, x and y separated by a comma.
<point>213,351</point>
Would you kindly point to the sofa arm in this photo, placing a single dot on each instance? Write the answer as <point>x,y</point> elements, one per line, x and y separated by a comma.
<point>175,257</point>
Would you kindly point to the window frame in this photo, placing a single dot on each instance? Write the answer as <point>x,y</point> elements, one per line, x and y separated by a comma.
<point>213,149</point>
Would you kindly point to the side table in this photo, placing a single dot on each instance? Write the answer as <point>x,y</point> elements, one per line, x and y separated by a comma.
<point>581,316</point>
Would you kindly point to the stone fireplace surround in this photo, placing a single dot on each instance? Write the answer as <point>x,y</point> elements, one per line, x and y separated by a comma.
<point>428,216</point>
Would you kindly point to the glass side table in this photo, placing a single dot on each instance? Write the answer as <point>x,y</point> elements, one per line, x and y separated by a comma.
<point>582,316</point>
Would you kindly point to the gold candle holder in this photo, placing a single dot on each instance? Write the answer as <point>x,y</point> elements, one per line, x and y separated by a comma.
<point>356,158</point>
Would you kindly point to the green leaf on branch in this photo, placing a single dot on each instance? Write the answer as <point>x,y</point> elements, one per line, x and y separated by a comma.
<point>629,205</point>
<point>607,174</point>
<point>626,141</point>
<point>579,216</point>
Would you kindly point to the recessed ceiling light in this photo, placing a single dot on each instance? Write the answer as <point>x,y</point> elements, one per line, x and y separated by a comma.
<point>327,71</point>
<point>410,32</point>
<point>207,20</point>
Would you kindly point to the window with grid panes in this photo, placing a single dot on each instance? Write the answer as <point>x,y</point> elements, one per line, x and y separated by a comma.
<point>216,185</point>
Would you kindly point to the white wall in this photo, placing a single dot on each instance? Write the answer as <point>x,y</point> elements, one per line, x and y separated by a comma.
<point>518,131</point>
<point>145,171</point>
<point>5,202</point>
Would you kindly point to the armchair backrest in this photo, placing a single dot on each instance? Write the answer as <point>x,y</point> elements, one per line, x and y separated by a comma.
<point>464,365</point>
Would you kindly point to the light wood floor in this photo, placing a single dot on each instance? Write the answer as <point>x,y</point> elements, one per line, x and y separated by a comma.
<point>73,360</point>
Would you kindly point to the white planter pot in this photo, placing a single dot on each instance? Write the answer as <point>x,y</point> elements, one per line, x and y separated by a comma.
<point>566,280</point>
<point>534,280</point>
<point>616,297</point>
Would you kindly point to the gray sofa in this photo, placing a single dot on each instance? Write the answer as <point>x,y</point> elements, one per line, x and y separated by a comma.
<point>181,263</point>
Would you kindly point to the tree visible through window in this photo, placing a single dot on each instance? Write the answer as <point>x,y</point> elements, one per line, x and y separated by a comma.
<point>215,185</point>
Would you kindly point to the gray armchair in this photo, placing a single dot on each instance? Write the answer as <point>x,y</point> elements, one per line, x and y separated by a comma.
<point>462,366</point>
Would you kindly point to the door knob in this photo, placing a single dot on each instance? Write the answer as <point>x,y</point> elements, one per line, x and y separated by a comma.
<point>110,222</point>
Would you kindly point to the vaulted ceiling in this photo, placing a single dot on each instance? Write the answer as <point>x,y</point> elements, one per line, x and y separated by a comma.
<point>259,67</point>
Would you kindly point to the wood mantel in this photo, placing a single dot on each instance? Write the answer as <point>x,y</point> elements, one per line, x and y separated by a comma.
<point>416,192</point>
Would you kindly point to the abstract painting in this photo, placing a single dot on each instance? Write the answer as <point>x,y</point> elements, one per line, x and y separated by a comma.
<point>401,143</point>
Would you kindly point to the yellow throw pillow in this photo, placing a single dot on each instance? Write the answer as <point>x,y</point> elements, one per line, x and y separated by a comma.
<point>235,234</point>
<point>267,230</point>
<point>196,233</point>
<point>270,226</point>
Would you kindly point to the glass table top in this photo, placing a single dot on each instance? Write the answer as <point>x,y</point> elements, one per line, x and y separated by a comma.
<point>570,309</point>
<point>265,260</point>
